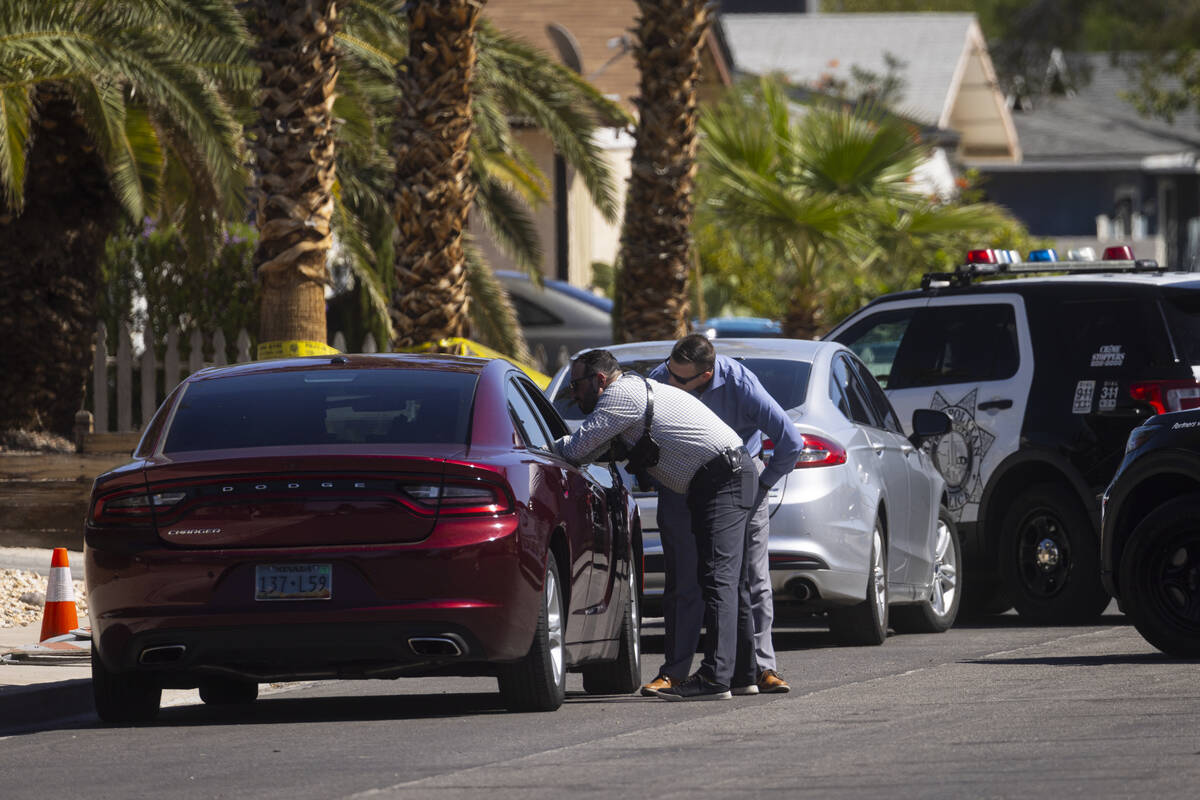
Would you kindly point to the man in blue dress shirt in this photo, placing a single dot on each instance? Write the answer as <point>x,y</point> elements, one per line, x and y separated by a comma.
<point>735,394</point>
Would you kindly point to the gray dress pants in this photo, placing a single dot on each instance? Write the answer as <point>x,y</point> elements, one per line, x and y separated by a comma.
<point>719,515</point>
<point>683,606</point>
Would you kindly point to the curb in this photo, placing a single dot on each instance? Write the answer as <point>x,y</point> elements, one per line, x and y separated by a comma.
<point>38,704</point>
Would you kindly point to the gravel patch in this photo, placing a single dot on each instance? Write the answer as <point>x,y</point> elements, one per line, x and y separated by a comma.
<point>23,596</point>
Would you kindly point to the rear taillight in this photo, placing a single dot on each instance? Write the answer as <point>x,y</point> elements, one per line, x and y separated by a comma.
<point>1167,396</point>
<point>132,507</point>
<point>816,452</point>
<point>459,498</point>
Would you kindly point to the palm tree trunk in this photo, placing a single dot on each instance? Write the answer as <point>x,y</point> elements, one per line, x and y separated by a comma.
<point>294,148</point>
<point>50,258</point>
<point>433,186</point>
<point>802,317</point>
<point>656,238</point>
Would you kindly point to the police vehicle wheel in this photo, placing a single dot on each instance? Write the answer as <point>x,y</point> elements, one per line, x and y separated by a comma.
<point>624,675</point>
<point>937,612</point>
<point>867,622</point>
<point>1050,559</point>
<point>538,682</point>
<point>123,697</point>
<point>1160,577</point>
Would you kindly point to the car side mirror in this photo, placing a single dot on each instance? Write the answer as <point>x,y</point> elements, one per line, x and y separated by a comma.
<point>927,424</point>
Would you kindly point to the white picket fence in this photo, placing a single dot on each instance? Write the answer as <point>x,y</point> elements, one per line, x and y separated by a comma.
<point>113,374</point>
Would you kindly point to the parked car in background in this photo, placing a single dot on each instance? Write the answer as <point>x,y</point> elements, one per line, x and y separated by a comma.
<point>358,517</point>
<point>557,318</point>
<point>1150,537</point>
<point>859,526</point>
<point>1044,376</point>
<point>740,327</point>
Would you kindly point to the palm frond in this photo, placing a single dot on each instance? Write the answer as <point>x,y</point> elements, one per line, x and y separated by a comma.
<point>493,318</point>
<point>103,108</point>
<point>15,108</point>
<point>353,238</point>
<point>507,219</point>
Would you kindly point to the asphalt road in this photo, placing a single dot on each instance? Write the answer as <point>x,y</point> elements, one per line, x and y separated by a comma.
<point>998,710</point>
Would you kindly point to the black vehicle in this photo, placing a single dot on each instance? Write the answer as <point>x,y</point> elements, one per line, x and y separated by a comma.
<point>1150,537</point>
<point>1044,377</point>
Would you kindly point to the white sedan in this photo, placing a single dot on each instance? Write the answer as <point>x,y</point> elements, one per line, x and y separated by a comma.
<point>858,530</point>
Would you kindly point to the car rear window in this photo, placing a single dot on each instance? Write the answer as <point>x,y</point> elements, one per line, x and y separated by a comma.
<point>1182,310</point>
<point>385,406</point>
<point>785,379</point>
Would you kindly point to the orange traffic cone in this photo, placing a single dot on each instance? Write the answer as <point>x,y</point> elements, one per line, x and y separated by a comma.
<point>59,616</point>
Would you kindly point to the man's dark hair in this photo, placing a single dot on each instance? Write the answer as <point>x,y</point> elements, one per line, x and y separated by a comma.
<point>695,348</point>
<point>599,362</point>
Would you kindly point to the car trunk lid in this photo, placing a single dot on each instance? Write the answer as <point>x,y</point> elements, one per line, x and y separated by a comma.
<point>297,500</point>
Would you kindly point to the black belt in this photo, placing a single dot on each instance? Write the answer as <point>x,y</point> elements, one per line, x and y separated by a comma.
<point>719,469</point>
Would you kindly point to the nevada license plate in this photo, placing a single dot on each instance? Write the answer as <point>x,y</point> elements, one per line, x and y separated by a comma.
<point>293,582</point>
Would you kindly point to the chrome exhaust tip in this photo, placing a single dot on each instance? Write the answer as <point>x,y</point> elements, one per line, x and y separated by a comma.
<point>163,654</point>
<point>440,646</point>
<point>801,588</point>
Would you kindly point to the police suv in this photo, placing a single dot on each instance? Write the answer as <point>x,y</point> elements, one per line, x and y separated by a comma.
<point>1150,542</point>
<point>1045,366</point>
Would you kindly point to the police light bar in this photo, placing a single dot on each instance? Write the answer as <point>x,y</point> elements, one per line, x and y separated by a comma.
<point>983,262</point>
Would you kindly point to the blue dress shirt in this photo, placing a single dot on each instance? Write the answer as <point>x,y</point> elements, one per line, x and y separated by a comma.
<point>737,396</point>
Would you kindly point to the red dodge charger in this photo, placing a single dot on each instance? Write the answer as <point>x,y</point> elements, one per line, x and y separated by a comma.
<point>358,517</point>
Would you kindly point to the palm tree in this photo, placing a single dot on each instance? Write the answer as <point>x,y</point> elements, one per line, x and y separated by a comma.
<point>512,81</point>
<point>655,252</point>
<point>104,108</point>
<point>433,161</point>
<point>828,201</point>
<point>295,164</point>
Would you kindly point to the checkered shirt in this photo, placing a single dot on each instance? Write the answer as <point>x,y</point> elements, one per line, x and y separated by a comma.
<point>689,435</point>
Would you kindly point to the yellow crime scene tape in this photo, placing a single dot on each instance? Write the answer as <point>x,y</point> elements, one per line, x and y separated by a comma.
<point>454,345</point>
<point>458,346</point>
<point>291,349</point>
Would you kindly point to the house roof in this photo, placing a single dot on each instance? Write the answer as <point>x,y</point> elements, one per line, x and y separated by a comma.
<point>948,74</point>
<point>1096,128</point>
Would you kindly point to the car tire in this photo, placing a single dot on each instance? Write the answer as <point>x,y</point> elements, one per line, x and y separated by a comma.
<point>624,675</point>
<point>1050,557</point>
<point>538,682</point>
<point>936,613</point>
<point>1158,577</point>
<point>228,691</point>
<point>866,623</point>
<point>123,697</point>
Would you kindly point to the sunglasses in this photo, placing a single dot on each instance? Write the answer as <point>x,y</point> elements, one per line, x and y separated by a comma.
<point>574,384</point>
<point>680,378</point>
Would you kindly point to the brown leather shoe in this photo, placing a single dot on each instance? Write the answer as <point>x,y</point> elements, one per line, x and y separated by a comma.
<point>769,682</point>
<point>652,688</point>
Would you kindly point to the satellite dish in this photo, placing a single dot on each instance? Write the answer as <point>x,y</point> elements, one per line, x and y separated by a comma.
<point>568,48</point>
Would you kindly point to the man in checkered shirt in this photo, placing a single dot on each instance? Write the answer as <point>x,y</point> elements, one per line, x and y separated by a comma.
<point>703,458</point>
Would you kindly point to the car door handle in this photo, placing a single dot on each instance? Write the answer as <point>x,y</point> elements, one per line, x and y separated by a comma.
<point>907,448</point>
<point>988,405</point>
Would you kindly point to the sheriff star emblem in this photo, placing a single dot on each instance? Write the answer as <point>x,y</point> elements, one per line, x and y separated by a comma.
<point>959,454</point>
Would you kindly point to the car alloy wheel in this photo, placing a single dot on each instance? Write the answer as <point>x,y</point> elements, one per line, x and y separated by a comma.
<point>554,628</point>
<point>945,572</point>
<point>866,623</point>
<point>938,611</point>
<point>878,585</point>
